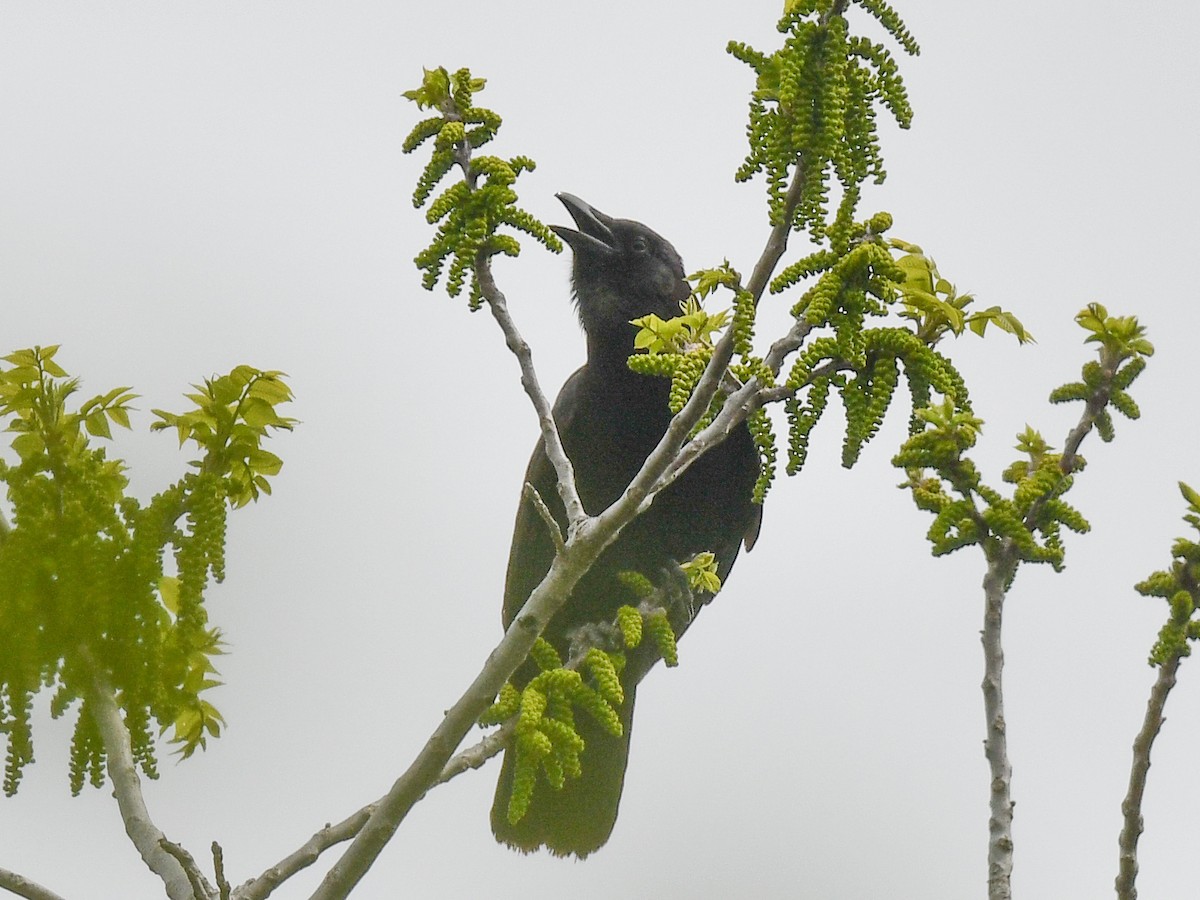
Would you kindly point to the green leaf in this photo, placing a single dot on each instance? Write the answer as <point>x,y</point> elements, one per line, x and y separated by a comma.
<point>243,375</point>
<point>435,88</point>
<point>226,390</point>
<point>270,389</point>
<point>168,589</point>
<point>28,445</point>
<point>265,462</point>
<point>22,358</point>
<point>1005,321</point>
<point>259,413</point>
<point>53,369</point>
<point>23,375</point>
<point>1191,496</point>
<point>97,424</point>
<point>119,415</point>
<point>931,304</point>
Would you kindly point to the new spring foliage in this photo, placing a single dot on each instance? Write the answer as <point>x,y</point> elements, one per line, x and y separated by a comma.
<point>469,212</point>
<point>814,106</point>
<point>945,482</point>
<point>83,588</point>
<point>1179,585</point>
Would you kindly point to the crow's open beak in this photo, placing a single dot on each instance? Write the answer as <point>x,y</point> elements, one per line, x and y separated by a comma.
<point>595,234</point>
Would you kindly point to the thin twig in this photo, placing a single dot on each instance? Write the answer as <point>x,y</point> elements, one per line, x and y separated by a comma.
<point>23,887</point>
<point>777,241</point>
<point>219,871</point>
<point>1131,808</point>
<point>475,756</point>
<point>498,305</point>
<point>308,853</point>
<point>532,495</point>
<point>787,344</point>
<point>200,886</point>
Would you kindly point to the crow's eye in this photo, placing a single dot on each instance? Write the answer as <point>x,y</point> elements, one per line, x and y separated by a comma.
<point>639,245</point>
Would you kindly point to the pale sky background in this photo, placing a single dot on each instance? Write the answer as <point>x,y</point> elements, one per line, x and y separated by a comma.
<point>187,187</point>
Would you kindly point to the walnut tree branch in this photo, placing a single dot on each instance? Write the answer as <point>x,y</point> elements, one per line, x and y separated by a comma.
<point>498,305</point>
<point>1131,808</point>
<point>995,745</point>
<point>127,787</point>
<point>1003,559</point>
<point>23,887</point>
<point>200,886</point>
<point>532,495</point>
<point>308,853</point>
<point>476,755</point>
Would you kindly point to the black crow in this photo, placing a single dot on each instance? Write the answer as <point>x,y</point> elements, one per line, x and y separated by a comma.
<point>609,419</point>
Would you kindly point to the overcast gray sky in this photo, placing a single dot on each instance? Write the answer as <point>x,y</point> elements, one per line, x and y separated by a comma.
<point>184,188</point>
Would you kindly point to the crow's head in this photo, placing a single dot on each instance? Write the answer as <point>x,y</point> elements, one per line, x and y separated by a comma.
<point>622,269</point>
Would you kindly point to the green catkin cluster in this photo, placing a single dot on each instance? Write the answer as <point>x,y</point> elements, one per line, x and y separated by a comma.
<point>545,656</point>
<point>684,370</point>
<point>629,621</point>
<point>814,106</point>
<point>763,434</point>
<point>966,511</point>
<point>508,701</point>
<point>743,322</point>
<point>866,400</point>
<point>545,738</point>
<point>857,279</point>
<point>636,583</point>
<point>1180,587</point>
<point>82,566</point>
<point>659,629</point>
<point>16,707</point>
<point>688,369</point>
<point>1123,352</point>
<point>87,753</point>
<point>200,552</point>
<point>469,212</point>
<point>608,684</point>
<point>803,416</point>
<point>1095,379</point>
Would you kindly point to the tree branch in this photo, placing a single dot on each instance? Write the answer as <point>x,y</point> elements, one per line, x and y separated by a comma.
<point>1000,843</point>
<point>474,757</point>
<point>23,887</point>
<point>531,494</point>
<point>265,884</point>
<point>498,304</point>
<point>582,549</point>
<point>1002,565</point>
<point>777,241</point>
<point>223,892</point>
<point>1131,808</point>
<point>200,886</point>
<point>787,344</point>
<point>127,788</point>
